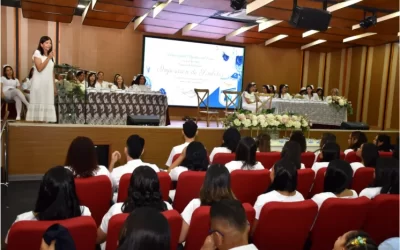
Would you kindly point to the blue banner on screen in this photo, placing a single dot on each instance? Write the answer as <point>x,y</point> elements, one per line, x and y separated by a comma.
<point>178,67</point>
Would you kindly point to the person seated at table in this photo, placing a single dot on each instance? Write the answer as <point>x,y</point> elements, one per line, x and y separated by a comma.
<point>335,92</point>
<point>325,138</point>
<point>383,143</point>
<point>250,100</point>
<point>337,182</point>
<point>368,152</point>
<point>356,240</point>
<point>264,143</point>
<point>245,157</point>
<point>81,78</point>
<point>356,139</point>
<point>320,94</point>
<point>310,95</point>
<point>273,89</point>
<point>26,85</point>
<point>330,152</point>
<point>71,76</point>
<point>386,179</point>
<point>303,91</point>
<point>56,200</point>
<point>189,132</point>
<point>298,136</point>
<point>265,89</point>
<point>92,81</point>
<point>139,80</point>
<point>118,83</point>
<point>100,80</point>
<point>292,151</point>
<point>282,94</point>
<point>230,140</point>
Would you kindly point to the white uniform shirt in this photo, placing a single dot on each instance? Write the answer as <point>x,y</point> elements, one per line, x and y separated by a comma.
<point>128,168</point>
<point>355,166</point>
<point>348,151</point>
<point>102,170</point>
<point>321,197</point>
<point>175,172</point>
<point>237,165</point>
<point>219,150</point>
<point>27,84</point>
<point>371,192</point>
<point>245,247</point>
<point>189,210</point>
<point>318,165</point>
<point>274,196</point>
<point>9,83</point>
<point>176,150</point>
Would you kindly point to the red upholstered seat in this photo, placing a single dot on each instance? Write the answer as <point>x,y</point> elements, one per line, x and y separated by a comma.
<point>88,190</point>
<point>362,178</point>
<point>223,158</point>
<point>175,157</point>
<point>382,220</point>
<point>336,217</point>
<point>318,186</point>
<point>28,234</point>
<point>352,157</point>
<point>308,158</point>
<point>247,185</point>
<point>117,221</point>
<point>385,154</point>
<point>305,180</point>
<point>292,219</point>
<point>188,188</point>
<point>163,177</point>
<point>268,159</point>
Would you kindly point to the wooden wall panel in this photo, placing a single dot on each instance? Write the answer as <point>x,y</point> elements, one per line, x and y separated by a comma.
<point>313,68</point>
<point>333,71</point>
<point>8,45</point>
<point>392,100</point>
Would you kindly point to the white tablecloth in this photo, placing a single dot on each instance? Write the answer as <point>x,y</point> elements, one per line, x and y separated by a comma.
<point>277,145</point>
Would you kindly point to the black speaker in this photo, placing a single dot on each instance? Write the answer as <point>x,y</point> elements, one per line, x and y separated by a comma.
<point>143,120</point>
<point>310,19</point>
<point>354,126</point>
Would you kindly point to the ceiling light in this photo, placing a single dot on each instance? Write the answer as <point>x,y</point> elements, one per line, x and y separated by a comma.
<point>240,30</point>
<point>342,5</point>
<point>256,5</point>
<point>261,20</point>
<point>139,20</point>
<point>189,27</point>
<point>81,6</point>
<point>157,9</point>
<point>351,38</point>
<point>267,24</point>
<point>311,32</point>
<point>274,39</point>
<point>313,44</point>
<point>380,19</point>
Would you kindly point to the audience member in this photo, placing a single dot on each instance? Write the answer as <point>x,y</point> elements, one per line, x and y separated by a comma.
<point>230,140</point>
<point>291,151</point>
<point>325,138</point>
<point>386,178</point>
<point>330,152</point>
<point>145,228</point>
<point>216,187</point>
<point>356,139</point>
<point>337,182</point>
<point>245,156</point>
<point>355,240</point>
<point>390,244</point>
<point>57,237</point>
<point>298,136</point>
<point>264,143</point>
<point>368,153</point>
<point>382,141</point>
<point>189,133</point>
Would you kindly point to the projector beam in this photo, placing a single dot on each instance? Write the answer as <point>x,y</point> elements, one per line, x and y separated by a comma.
<point>256,5</point>
<point>352,38</point>
<point>274,39</point>
<point>313,44</point>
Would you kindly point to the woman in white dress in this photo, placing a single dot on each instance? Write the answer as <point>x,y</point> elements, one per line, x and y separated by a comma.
<point>230,140</point>
<point>283,92</point>
<point>245,156</point>
<point>41,106</point>
<point>11,90</point>
<point>320,93</point>
<point>118,83</point>
<point>250,100</point>
<point>356,139</point>
<point>310,94</point>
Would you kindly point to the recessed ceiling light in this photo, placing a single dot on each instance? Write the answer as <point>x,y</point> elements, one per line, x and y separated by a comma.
<point>261,20</point>
<point>274,39</point>
<point>313,44</point>
<point>351,38</point>
<point>311,32</point>
<point>256,5</point>
<point>380,19</point>
<point>81,6</point>
<point>240,30</point>
<point>267,24</point>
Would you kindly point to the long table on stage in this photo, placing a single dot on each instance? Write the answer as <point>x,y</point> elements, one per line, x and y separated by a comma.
<point>110,108</point>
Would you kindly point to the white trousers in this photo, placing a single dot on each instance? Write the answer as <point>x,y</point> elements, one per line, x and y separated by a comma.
<point>17,96</point>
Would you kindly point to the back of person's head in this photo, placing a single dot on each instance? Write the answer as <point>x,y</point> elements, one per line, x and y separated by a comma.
<point>299,137</point>
<point>283,176</point>
<point>327,137</point>
<point>338,176</point>
<point>82,157</point>
<point>196,158</point>
<point>369,154</point>
<point>330,152</point>
<point>292,151</point>
<point>58,236</point>
<point>135,146</point>
<point>231,139</point>
<point>264,143</point>
<point>144,229</point>
<point>246,152</point>
<point>383,143</point>
<point>216,185</point>
<point>355,240</point>
<point>357,138</point>
<point>144,191</point>
<point>387,175</point>
<point>190,129</point>
<point>57,199</point>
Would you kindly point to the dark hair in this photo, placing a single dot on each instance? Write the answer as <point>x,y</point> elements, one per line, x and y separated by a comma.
<point>82,157</point>
<point>116,83</point>
<point>361,139</point>
<point>285,176</point>
<point>231,211</point>
<point>264,142</point>
<point>267,88</point>
<point>44,39</point>
<point>338,176</point>
<point>137,80</point>
<point>61,236</point>
<point>57,199</point>
<point>280,90</point>
<point>312,89</point>
<point>79,73</point>
<point>196,158</point>
<point>4,72</point>
<point>249,86</point>
<point>145,228</point>
<point>31,73</point>
<point>231,139</point>
<point>386,145</point>
<point>100,72</point>
<point>327,137</point>
<point>369,154</point>
<point>321,97</point>
<point>291,151</point>
<point>387,175</point>
<point>135,146</point>
<point>246,152</point>
<point>330,152</point>
<point>95,79</point>
<point>354,235</point>
<point>190,129</point>
<point>216,185</point>
<point>299,137</point>
<point>144,191</point>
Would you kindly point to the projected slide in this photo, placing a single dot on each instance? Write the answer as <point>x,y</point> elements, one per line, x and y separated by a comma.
<point>178,67</point>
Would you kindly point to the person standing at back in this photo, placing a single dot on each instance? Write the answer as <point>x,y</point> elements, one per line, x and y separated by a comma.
<point>189,132</point>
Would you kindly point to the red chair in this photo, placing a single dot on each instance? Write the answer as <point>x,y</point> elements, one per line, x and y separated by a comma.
<point>28,234</point>
<point>342,156</point>
<point>268,159</point>
<point>279,218</point>
<point>383,217</point>
<point>88,189</point>
<point>318,186</point>
<point>305,179</point>
<point>163,177</point>
<point>308,158</point>
<point>200,225</point>
<point>117,221</point>
<point>362,178</point>
<point>385,154</point>
<point>188,188</point>
<point>352,157</point>
<point>247,185</point>
<point>223,158</point>
<point>176,156</point>
<point>336,217</point>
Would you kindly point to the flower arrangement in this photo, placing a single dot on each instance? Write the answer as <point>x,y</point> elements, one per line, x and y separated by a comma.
<point>340,102</point>
<point>71,89</point>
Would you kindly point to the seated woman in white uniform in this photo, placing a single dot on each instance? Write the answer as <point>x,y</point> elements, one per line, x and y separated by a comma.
<point>368,152</point>
<point>283,92</point>
<point>230,141</point>
<point>320,93</point>
<point>310,94</point>
<point>356,139</point>
<point>245,156</point>
<point>292,152</point>
<point>250,100</point>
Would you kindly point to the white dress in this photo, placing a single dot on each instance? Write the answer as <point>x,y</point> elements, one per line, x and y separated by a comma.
<point>249,106</point>
<point>41,107</point>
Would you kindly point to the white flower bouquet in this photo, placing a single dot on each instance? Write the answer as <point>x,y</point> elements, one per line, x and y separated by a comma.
<point>340,102</point>
<point>72,89</point>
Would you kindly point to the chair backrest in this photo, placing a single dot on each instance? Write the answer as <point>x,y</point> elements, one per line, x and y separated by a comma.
<point>383,217</point>
<point>308,158</point>
<point>246,192</point>
<point>278,218</point>
<point>342,156</point>
<point>352,157</point>
<point>188,188</point>
<point>117,221</point>
<point>163,177</point>
<point>385,154</point>
<point>28,234</point>
<point>336,217</point>
<point>232,98</point>
<point>268,159</point>
<point>223,158</point>
<point>305,179</point>
<point>88,189</point>
<point>175,157</point>
<point>362,178</point>
<point>202,97</point>
<point>318,186</point>
<point>200,226</point>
